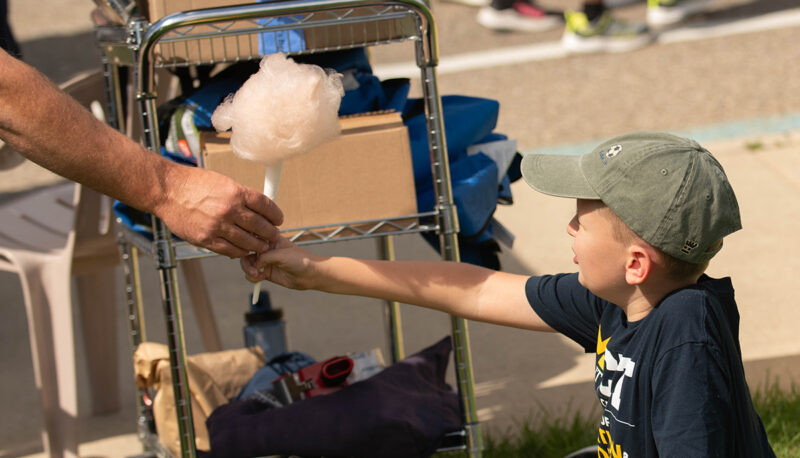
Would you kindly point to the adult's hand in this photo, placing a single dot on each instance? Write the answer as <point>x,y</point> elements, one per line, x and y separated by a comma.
<point>47,126</point>
<point>211,210</point>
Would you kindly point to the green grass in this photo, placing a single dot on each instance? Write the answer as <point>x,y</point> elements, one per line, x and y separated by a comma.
<point>755,145</point>
<point>551,437</point>
<point>780,411</point>
<point>543,435</point>
<point>547,436</point>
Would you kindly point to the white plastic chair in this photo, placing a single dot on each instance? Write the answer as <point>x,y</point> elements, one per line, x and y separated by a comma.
<point>48,236</point>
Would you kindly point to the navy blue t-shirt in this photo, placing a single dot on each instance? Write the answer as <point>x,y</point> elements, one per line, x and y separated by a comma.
<point>671,384</point>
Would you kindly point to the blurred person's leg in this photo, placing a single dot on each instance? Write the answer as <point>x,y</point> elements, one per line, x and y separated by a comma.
<point>595,30</point>
<point>661,13</point>
<point>518,16</point>
<point>7,41</point>
<point>621,3</point>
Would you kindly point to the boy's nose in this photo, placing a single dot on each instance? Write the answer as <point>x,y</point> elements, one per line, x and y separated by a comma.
<point>572,227</point>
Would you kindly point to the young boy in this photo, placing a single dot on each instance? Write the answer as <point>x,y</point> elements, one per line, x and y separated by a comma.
<point>652,210</point>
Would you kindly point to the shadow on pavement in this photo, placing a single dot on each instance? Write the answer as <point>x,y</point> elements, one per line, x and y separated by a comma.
<point>61,57</point>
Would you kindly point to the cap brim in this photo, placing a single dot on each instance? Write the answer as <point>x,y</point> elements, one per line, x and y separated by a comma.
<point>557,175</point>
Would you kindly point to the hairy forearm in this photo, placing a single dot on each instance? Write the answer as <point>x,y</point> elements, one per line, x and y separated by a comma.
<point>53,130</point>
<point>204,208</point>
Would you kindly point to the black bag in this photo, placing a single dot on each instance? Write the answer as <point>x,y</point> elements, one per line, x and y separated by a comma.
<point>404,411</point>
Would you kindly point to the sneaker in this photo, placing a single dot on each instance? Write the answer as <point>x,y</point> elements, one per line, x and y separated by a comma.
<point>619,3</point>
<point>604,34</point>
<point>521,17</point>
<point>662,13</point>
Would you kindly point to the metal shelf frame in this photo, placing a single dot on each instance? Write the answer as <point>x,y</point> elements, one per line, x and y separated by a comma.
<point>325,25</point>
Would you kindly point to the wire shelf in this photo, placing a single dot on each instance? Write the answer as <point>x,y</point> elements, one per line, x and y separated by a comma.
<point>306,33</point>
<point>251,38</point>
<point>310,235</point>
<point>248,39</point>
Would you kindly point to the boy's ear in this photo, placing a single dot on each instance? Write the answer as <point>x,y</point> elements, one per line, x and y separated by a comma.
<point>639,264</point>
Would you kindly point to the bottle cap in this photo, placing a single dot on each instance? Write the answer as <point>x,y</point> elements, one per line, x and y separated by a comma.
<point>262,310</point>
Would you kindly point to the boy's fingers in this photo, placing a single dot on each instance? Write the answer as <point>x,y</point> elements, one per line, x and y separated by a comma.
<point>266,258</point>
<point>248,264</point>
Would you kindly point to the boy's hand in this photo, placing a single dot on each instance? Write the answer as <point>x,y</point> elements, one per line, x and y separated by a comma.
<point>286,264</point>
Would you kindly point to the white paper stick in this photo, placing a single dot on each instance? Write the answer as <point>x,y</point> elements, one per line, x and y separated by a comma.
<point>272,180</point>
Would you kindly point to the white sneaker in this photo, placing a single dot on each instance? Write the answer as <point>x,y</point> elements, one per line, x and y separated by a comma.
<point>662,13</point>
<point>521,17</point>
<point>604,34</point>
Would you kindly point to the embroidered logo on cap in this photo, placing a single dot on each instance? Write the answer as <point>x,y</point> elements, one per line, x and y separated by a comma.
<point>614,151</point>
<point>688,246</point>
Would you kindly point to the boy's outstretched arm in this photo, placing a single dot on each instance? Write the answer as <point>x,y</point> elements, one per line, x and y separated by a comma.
<point>460,289</point>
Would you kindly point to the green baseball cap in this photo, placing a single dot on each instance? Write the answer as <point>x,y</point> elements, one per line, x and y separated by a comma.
<point>669,190</point>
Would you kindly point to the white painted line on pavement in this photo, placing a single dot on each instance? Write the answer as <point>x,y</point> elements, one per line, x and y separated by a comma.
<point>770,21</point>
<point>475,60</point>
<point>552,50</point>
<point>744,128</point>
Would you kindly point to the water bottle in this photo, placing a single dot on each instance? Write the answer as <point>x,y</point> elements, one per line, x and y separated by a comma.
<point>265,327</point>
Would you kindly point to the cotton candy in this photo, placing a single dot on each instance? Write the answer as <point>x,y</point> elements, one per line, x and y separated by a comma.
<point>282,110</point>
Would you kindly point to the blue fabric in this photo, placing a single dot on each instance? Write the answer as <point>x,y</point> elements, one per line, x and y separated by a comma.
<point>474,183</point>
<point>372,94</point>
<point>467,120</point>
<point>340,61</point>
<point>476,191</point>
<point>139,221</point>
<point>285,363</point>
<point>286,41</point>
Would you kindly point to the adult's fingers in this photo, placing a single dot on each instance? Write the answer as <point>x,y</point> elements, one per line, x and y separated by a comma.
<point>224,247</point>
<point>256,224</point>
<point>244,240</point>
<point>265,206</point>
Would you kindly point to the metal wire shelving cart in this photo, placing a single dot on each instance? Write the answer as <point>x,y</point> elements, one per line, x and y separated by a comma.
<point>244,32</point>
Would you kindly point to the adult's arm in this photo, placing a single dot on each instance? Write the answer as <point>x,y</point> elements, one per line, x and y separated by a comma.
<point>205,208</point>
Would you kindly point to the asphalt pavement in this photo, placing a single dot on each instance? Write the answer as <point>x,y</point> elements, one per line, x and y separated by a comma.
<point>727,78</point>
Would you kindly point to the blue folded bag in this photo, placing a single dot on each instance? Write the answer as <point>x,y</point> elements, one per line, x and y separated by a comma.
<point>467,120</point>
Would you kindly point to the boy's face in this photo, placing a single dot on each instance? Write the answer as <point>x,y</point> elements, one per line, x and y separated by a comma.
<point>600,255</point>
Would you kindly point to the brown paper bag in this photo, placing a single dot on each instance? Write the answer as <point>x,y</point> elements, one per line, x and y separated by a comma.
<point>214,378</point>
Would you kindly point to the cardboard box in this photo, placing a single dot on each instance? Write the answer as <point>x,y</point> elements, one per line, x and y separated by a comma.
<point>253,45</point>
<point>365,174</point>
